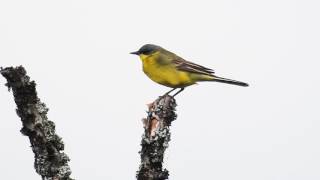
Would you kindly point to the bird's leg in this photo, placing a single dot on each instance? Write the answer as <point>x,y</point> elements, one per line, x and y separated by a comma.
<point>178,92</point>
<point>169,91</point>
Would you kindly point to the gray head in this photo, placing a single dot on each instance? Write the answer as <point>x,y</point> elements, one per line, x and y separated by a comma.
<point>147,49</point>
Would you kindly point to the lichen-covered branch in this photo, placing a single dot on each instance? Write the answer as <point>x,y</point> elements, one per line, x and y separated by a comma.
<point>156,138</point>
<point>50,160</point>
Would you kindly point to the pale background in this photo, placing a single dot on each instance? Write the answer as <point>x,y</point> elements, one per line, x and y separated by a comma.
<point>78,53</point>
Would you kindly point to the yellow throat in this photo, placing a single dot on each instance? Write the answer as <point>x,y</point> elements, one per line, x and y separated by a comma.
<point>164,73</point>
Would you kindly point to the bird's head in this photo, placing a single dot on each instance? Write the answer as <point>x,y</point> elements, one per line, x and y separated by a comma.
<point>147,50</point>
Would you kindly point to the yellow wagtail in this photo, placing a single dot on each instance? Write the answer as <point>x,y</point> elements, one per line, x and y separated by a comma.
<point>168,69</point>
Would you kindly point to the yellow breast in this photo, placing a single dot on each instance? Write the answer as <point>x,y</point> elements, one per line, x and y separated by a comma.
<point>165,74</point>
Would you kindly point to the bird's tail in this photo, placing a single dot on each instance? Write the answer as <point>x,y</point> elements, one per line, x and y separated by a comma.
<point>229,81</point>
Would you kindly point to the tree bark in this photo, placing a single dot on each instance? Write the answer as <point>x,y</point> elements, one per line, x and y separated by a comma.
<point>50,160</point>
<point>156,138</point>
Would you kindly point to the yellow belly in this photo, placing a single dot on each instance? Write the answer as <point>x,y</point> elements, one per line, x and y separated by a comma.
<point>167,75</point>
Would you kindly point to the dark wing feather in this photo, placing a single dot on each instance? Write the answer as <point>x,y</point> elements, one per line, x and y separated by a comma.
<point>184,65</point>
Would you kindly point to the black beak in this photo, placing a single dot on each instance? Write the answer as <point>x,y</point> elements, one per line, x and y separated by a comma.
<point>136,53</point>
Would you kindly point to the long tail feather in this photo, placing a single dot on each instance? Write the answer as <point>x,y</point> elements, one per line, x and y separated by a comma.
<point>229,81</point>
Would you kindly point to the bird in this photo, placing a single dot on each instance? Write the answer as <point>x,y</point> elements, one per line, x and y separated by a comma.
<point>168,69</point>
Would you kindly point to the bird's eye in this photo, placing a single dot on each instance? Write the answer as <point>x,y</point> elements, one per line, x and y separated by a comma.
<point>146,51</point>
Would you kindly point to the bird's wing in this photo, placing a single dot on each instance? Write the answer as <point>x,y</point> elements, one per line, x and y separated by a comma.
<point>184,65</point>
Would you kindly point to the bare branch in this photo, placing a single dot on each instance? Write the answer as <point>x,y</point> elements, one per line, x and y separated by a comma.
<point>50,162</point>
<point>156,138</point>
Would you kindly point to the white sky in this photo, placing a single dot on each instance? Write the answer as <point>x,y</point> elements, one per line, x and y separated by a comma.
<point>78,53</point>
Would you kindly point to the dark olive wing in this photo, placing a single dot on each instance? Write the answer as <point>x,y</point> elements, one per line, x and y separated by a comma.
<point>187,66</point>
